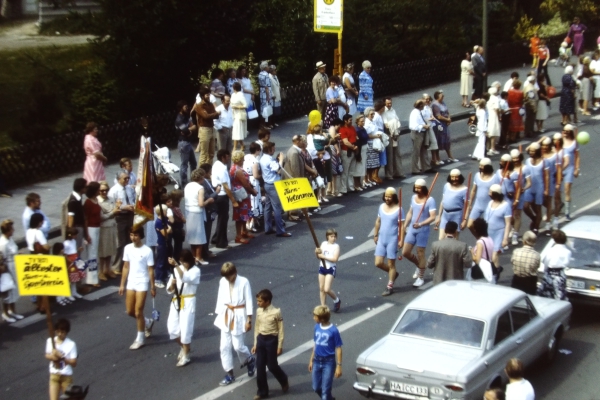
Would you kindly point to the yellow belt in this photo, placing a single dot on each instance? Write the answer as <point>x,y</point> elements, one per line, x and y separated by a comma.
<point>181,299</point>
<point>230,307</point>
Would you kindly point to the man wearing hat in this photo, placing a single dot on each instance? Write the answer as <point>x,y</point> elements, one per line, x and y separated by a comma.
<point>320,83</point>
<point>449,256</point>
<point>526,262</point>
<point>387,238</point>
<point>453,204</point>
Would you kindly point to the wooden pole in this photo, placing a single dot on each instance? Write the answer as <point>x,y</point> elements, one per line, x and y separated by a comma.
<point>427,198</point>
<point>466,206</point>
<point>312,232</point>
<point>400,224</point>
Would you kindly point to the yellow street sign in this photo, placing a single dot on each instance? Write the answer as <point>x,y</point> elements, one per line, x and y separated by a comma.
<point>42,275</point>
<point>295,194</point>
<point>328,16</point>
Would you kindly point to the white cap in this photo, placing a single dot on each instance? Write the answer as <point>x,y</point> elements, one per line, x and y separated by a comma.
<point>496,188</point>
<point>557,136</point>
<point>534,146</point>
<point>455,171</point>
<point>506,157</point>
<point>546,141</point>
<point>485,161</point>
<point>568,127</point>
<point>492,90</point>
<point>514,153</point>
<point>390,190</point>
<point>531,78</point>
<point>420,182</point>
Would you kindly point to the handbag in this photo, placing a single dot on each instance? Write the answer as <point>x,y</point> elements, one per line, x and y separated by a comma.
<point>6,282</point>
<point>39,249</point>
<point>252,113</point>
<point>320,182</point>
<point>267,111</point>
<point>240,194</point>
<point>378,145</point>
<point>485,269</point>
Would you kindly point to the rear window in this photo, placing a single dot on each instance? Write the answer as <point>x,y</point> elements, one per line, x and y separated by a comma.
<point>441,327</point>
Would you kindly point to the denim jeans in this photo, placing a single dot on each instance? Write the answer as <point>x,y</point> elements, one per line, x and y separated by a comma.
<point>322,376</point>
<point>186,152</point>
<point>160,265</point>
<point>273,205</point>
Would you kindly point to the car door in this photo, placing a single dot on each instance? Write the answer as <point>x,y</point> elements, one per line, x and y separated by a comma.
<point>499,349</point>
<point>528,333</point>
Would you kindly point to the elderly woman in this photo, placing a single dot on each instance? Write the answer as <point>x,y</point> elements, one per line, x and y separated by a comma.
<point>333,102</point>
<point>586,78</point>
<point>93,168</point>
<point>372,159</point>
<point>266,93</point>
<point>515,102</point>
<point>217,89</point>
<point>576,31</point>
<point>466,79</point>
<point>276,89</point>
<point>493,112</point>
<point>442,130</point>
<point>231,79</point>
<point>365,83</point>
<point>93,219</point>
<point>350,89</point>
<point>107,242</point>
<point>8,250</point>
<point>240,179</point>
<point>567,96</point>
<point>240,121</point>
<point>194,207</point>
<point>247,88</point>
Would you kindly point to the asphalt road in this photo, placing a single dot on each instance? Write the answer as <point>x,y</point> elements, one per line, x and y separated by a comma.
<point>288,267</point>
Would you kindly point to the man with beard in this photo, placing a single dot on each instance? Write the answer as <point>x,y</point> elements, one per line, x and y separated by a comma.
<point>520,176</point>
<point>479,192</point>
<point>504,172</point>
<point>387,238</point>
<point>453,204</point>
<point>534,195</point>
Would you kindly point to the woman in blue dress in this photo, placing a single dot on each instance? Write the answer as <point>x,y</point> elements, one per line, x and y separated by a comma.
<point>534,195</point>
<point>416,228</point>
<point>479,192</point>
<point>498,214</point>
<point>365,85</point>
<point>453,203</point>
<point>442,127</point>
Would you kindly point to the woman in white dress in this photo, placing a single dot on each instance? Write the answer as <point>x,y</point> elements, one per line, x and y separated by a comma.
<point>482,126</point>
<point>542,109</point>
<point>195,214</point>
<point>493,109</point>
<point>466,79</point>
<point>238,105</point>
<point>247,87</point>
<point>8,250</point>
<point>276,93</point>
<point>350,89</point>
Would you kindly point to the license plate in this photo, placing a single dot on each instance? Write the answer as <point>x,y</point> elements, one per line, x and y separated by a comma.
<point>575,284</point>
<point>408,388</point>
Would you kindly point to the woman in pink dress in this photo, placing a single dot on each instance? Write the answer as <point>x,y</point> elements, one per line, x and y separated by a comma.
<point>93,169</point>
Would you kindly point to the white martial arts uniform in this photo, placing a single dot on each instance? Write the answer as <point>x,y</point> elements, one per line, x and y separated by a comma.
<point>233,307</point>
<point>181,324</point>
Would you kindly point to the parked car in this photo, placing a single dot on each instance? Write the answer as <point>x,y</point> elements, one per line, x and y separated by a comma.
<point>583,274</point>
<point>453,342</point>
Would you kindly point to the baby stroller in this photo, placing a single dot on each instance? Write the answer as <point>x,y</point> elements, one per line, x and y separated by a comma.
<point>163,164</point>
<point>564,55</point>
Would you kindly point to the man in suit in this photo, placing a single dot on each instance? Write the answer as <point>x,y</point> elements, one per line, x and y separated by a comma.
<point>479,69</point>
<point>294,166</point>
<point>320,83</point>
<point>449,256</point>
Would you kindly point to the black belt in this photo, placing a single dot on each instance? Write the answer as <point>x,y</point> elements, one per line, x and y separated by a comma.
<point>453,210</point>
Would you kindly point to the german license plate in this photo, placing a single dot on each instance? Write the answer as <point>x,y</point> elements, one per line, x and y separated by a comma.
<point>575,284</point>
<point>408,388</point>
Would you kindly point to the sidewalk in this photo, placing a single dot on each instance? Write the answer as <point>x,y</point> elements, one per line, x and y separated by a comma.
<point>54,192</point>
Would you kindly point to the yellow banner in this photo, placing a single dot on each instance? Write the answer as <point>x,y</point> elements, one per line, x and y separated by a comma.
<point>295,194</point>
<point>42,275</point>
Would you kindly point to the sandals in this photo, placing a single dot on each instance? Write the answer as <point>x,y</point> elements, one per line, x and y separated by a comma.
<point>241,240</point>
<point>246,235</point>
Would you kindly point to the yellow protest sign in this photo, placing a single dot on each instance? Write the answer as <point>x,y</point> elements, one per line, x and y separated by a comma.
<point>42,275</point>
<point>295,194</point>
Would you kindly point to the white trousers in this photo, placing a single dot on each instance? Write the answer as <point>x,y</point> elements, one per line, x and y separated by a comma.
<point>181,325</point>
<point>231,342</point>
<point>479,151</point>
<point>597,87</point>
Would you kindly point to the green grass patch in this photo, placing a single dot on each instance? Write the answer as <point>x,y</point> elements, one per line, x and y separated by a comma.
<point>59,69</point>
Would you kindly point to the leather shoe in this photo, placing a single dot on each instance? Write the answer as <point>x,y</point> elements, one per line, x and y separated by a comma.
<point>269,232</point>
<point>285,387</point>
<point>286,234</point>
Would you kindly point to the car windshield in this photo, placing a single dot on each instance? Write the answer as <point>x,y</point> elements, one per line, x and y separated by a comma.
<point>584,252</point>
<point>442,327</point>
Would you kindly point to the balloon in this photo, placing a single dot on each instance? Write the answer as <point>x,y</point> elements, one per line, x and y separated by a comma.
<point>314,117</point>
<point>583,138</point>
<point>551,91</point>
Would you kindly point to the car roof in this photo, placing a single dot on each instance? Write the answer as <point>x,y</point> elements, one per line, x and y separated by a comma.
<point>478,300</point>
<point>586,227</point>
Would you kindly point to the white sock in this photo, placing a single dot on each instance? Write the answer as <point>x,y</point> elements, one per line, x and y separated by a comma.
<point>337,299</point>
<point>140,337</point>
<point>567,207</point>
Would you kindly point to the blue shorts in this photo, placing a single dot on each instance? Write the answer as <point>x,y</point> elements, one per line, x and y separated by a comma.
<point>569,174</point>
<point>552,188</point>
<point>497,235</point>
<point>420,236</point>
<point>327,271</point>
<point>455,216</point>
<point>476,212</point>
<point>534,195</point>
<point>521,202</point>
<point>388,250</point>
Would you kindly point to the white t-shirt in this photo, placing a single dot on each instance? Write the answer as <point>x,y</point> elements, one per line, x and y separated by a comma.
<point>70,247</point>
<point>328,250</point>
<point>34,235</point>
<point>521,390</point>
<point>69,349</point>
<point>191,196</point>
<point>219,176</point>
<point>140,258</point>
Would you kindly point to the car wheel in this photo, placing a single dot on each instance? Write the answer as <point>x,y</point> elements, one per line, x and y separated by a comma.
<point>553,346</point>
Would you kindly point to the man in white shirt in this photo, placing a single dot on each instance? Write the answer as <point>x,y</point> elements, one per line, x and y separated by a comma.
<point>138,274</point>
<point>595,69</point>
<point>220,176</point>
<point>509,83</point>
<point>393,168</point>
<point>518,388</point>
<point>34,203</point>
<point>418,134</point>
<point>554,283</point>
<point>223,124</point>
<point>125,193</point>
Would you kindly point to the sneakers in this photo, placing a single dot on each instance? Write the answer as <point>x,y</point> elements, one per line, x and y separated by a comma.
<point>388,290</point>
<point>416,274</point>
<point>183,361</point>
<point>568,217</point>
<point>8,319</point>
<point>515,240</point>
<point>251,364</point>
<point>554,223</point>
<point>227,380</point>
<point>548,226</point>
<point>419,282</point>
<point>136,345</point>
<point>180,355</point>
<point>159,284</point>
<point>337,306</point>
<point>15,315</point>
<point>149,325</point>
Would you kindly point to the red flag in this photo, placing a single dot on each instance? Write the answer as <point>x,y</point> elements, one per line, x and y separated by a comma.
<point>144,209</point>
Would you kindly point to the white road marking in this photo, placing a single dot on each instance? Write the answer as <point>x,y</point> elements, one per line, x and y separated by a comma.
<point>220,391</point>
<point>331,208</point>
<point>32,319</point>
<point>414,178</point>
<point>367,246</point>
<point>581,210</point>
<point>453,165</point>
<point>101,293</point>
<point>373,193</point>
<point>372,233</point>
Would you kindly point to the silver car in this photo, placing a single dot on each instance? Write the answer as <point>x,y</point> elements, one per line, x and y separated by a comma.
<point>453,342</point>
<point>583,274</point>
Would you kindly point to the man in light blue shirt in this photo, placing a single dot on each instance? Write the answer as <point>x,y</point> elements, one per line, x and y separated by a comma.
<point>270,168</point>
<point>34,203</point>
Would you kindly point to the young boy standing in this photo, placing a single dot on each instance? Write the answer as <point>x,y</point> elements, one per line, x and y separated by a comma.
<point>268,344</point>
<point>138,274</point>
<point>326,358</point>
<point>63,357</point>
<point>234,318</point>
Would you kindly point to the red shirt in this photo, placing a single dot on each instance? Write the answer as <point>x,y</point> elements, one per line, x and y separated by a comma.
<point>543,52</point>
<point>92,212</point>
<point>347,132</point>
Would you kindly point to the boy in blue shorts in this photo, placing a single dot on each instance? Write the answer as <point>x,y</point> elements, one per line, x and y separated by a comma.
<point>326,358</point>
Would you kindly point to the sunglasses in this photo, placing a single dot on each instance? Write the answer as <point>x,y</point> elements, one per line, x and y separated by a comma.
<point>103,190</point>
